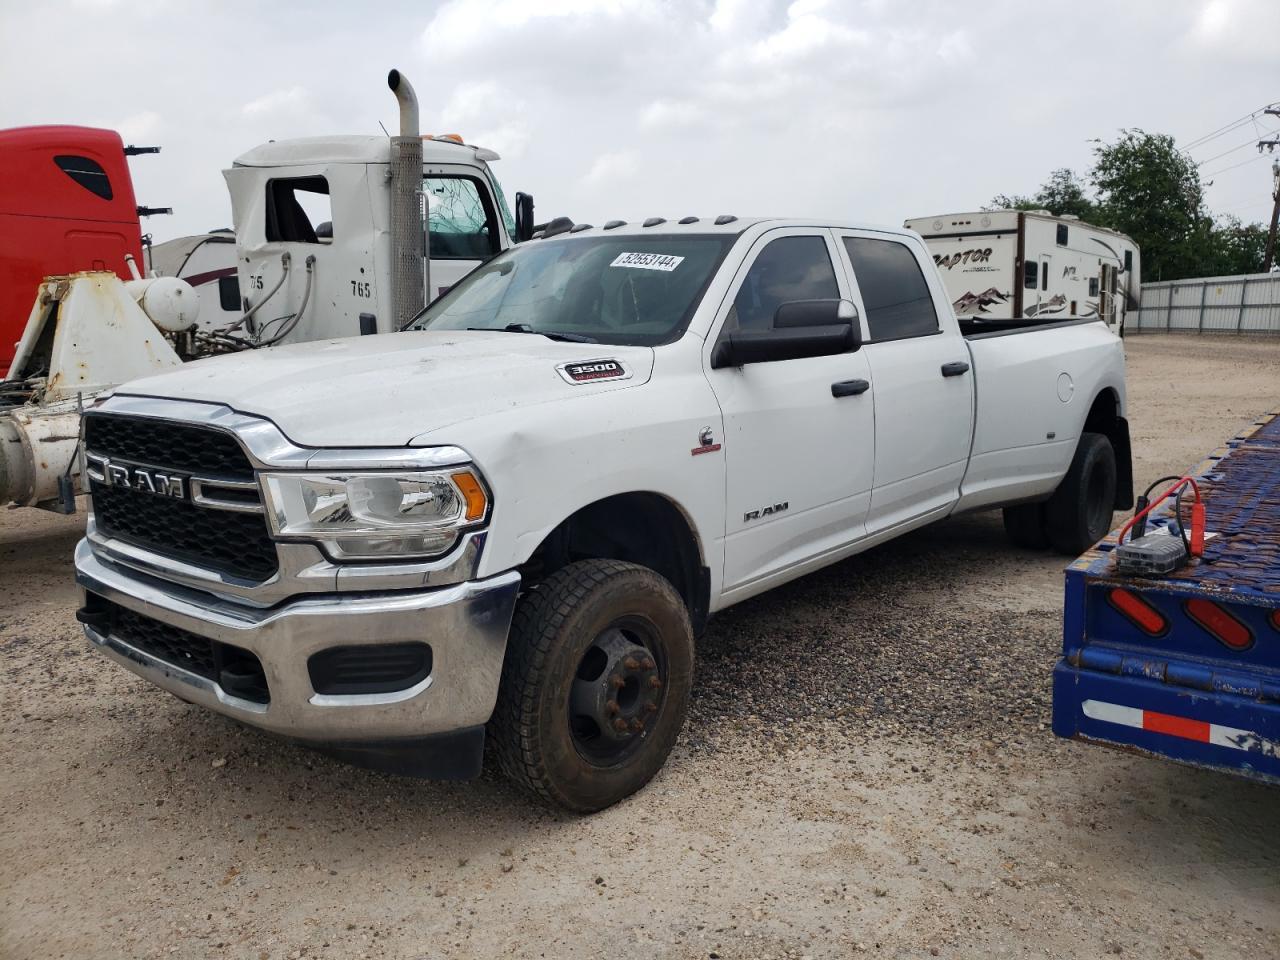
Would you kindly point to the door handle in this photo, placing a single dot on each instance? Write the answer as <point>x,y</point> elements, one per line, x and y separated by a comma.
<point>849,388</point>
<point>955,368</point>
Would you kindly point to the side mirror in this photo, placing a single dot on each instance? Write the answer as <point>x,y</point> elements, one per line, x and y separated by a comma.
<point>524,217</point>
<point>801,328</point>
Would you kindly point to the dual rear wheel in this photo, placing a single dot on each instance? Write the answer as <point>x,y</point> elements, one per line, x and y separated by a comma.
<point>1078,514</point>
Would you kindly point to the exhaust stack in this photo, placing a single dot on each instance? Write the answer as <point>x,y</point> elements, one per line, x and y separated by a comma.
<point>410,270</point>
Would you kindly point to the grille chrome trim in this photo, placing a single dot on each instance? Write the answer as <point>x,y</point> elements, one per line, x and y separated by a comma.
<point>198,495</point>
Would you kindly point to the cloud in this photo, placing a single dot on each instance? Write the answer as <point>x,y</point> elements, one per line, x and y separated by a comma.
<point>278,101</point>
<point>610,168</point>
<point>860,109</point>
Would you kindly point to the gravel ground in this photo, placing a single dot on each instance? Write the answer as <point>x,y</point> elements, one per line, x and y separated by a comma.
<point>867,770</point>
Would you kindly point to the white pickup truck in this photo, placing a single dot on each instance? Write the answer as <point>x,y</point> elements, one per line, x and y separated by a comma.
<point>517,514</point>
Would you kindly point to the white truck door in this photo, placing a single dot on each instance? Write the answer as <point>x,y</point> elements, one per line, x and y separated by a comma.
<point>798,457</point>
<point>920,366</point>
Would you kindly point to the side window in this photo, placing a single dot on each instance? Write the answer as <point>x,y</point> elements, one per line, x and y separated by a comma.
<point>789,268</point>
<point>894,291</point>
<point>1093,286</point>
<point>1030,273</point>
<point>88,173</point>
<point>1128,261</point>
<point>460,219</point>
<point>1062,234</point>
<point>229,293</point>
<point>296,207</point>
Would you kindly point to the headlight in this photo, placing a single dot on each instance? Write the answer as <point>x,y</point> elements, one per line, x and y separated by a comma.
<point>376,515</point>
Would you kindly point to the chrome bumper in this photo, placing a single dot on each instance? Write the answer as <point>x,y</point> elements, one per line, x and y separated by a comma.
<point>466,625</point>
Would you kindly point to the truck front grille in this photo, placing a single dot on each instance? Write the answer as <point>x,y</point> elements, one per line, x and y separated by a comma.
<point>225,541</point>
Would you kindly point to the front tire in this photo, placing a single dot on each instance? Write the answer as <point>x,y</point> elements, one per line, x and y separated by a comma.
<point>595,684</point>
<point>1078,514</point>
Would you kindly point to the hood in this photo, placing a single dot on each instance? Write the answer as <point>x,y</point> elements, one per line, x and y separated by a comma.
<point>385,390</point>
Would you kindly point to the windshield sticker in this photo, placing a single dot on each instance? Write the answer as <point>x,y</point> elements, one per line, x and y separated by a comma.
<point>589,371</point>
<point>648,261</point>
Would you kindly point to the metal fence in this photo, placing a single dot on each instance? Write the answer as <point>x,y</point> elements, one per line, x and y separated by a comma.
<point>1248,304</point>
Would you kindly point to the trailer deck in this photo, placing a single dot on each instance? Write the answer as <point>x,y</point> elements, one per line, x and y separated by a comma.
<point>1186,666</point>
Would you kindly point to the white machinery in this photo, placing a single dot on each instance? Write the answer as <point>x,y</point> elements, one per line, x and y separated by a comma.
<point>1002,264</point>
<point>329,242</point>
<point>70,352</point>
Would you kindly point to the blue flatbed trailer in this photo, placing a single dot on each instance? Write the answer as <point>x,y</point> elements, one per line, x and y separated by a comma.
<point>1186,666</point>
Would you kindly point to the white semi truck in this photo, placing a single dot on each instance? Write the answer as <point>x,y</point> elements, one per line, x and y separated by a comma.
<point>329,241</point>
<point>516,515</point>
<point>1003,264</point>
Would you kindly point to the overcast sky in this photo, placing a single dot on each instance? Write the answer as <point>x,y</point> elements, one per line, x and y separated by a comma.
<point>866,111</point>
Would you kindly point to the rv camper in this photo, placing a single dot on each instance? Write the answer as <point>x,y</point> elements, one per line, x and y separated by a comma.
<point>207,261</point>
<point>1002,264</point>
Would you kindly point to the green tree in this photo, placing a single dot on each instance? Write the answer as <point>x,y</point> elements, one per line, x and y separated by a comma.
<point>1145,187</point>
<point>1233,248</point>
<point>1063,193</point>
<point>1150,190</point>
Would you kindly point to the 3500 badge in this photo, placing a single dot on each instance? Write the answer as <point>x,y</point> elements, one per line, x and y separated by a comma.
<point>591,371</point>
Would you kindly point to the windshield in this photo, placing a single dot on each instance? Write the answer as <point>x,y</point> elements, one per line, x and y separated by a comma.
<point>624,290</point>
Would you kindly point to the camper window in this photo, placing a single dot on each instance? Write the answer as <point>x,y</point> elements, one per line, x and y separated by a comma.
<point>295,206</point>
<point>1093,286</point>
<point>229,293</point>
<point>461,219</point>
<point>1128,261</point>
<point>1030,271</point>
<point>1062,234</point>
<point>894,291</point>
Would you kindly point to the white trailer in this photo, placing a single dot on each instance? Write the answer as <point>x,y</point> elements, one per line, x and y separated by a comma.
<point>1003,264</point>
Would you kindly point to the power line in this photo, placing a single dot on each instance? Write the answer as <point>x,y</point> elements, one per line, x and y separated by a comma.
<point>1234,166</point>
<point>1227,128</point>
<point>1252,141</point>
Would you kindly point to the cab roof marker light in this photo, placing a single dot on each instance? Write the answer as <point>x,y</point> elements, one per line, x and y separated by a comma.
<point>724,218</point>
<point>687,220</point>
<point>1139,612</point>
<point>654,221</point>
<point>612,224</point>
<point>579,227</point>
<point>1217,621</point>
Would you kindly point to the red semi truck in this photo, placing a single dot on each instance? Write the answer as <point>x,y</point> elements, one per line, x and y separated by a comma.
<point>66,205</point>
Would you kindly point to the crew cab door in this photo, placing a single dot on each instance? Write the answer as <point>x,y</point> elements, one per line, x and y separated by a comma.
<point>920,366</point>
<point>798,434</point>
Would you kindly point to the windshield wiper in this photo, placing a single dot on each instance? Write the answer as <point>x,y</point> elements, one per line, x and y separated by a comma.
<point>549,334</point>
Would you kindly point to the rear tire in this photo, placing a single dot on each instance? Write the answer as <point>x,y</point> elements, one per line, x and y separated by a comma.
<point>1024,526</point>
<point>595,684</point>
<point>1078,514</point>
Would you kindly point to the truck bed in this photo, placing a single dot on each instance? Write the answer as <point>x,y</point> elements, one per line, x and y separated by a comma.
<point>978,327</point>
<point>1179,689</point>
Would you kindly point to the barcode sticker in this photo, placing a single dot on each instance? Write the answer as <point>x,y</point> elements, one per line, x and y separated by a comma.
<point>648,261</point>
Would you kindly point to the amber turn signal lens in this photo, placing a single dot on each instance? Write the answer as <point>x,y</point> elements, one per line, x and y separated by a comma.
<point>473,494</point>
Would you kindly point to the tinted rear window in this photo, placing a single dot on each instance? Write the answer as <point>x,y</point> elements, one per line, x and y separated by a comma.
<point>894,291</point>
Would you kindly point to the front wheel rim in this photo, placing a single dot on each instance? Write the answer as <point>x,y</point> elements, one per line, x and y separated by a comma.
<point>618,692</point>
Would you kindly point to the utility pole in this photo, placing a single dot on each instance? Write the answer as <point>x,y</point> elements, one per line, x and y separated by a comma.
<point>1275,217</point>
<point>1271,145</point>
